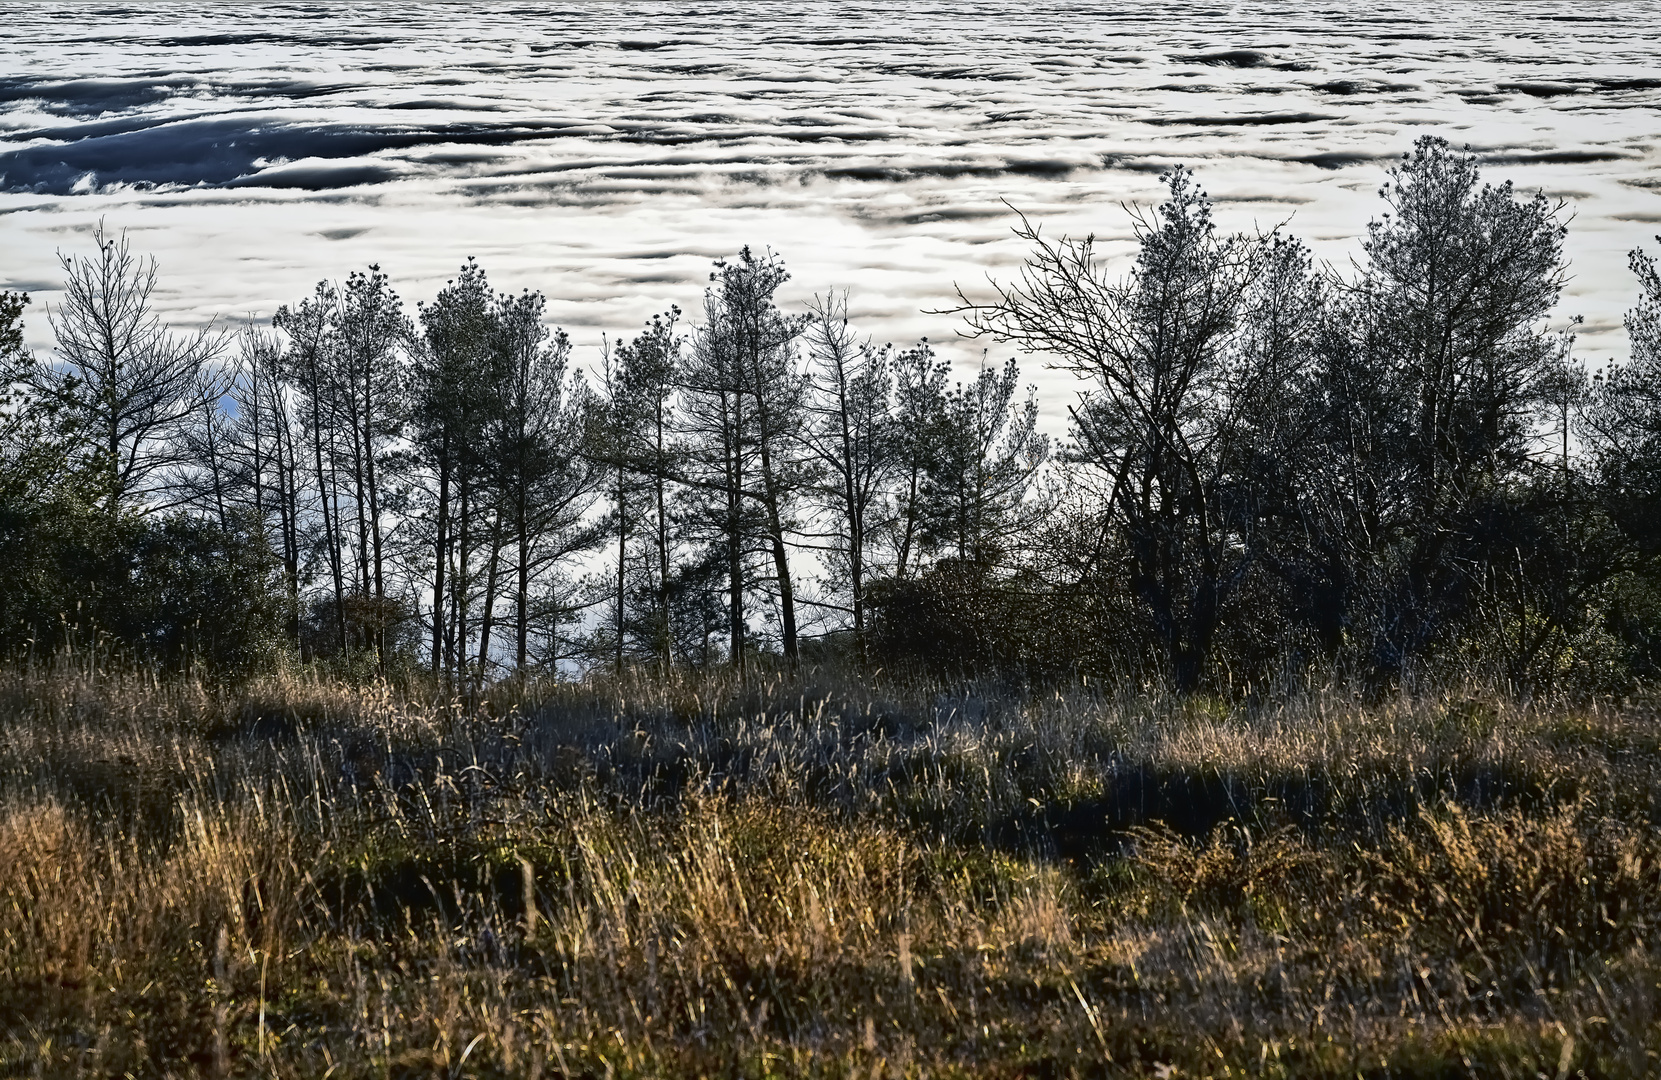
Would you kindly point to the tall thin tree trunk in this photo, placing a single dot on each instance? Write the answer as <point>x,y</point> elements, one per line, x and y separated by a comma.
<point>460,576</point>
<point>487,616</point>
<point>261,459</point>
<point>112,441</point>
<point>375,541</point>
<point>734,450</point>
<point>666,634</point>
<point>856,523</point>
<point>336,544</point>
<point>329,521</point>
<point>289,511</point>
<point>522,574</point>
<point>765,437</point>
<point>441,552</point>
<point>360,502</point>
<point>622,563</point>
<point>215,466</point>
<point>452,647</point>
<point>781,562</point>
<point>908,534</point>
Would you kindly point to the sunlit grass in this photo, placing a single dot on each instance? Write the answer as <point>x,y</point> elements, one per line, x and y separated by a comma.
<point>820,875</point>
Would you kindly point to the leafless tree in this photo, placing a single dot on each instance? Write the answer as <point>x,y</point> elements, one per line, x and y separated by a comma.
<point>130,380</point>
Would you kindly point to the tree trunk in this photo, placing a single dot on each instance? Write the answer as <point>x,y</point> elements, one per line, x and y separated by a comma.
<point>908,534</point>
<point>856,525</point>
<point>522,585</point>
<point>288,511</point>
<point>735,536</point>
<point>771,497</point>
<point>666,633</point>
<point>781,563</point>
<point>339,556</point>
<point>487,616</point>
<point>459,577</point>
<point>360,501</point>
<point>441,552</point>
<point>375,540</point>
<point>329,521</point>
<point>622,564</point>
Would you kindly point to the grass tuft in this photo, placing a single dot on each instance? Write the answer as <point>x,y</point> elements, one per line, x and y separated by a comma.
<point>820,875</point>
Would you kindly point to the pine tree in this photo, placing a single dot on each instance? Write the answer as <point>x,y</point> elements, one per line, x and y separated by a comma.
<point>851,433</point>
<point>450,416</point>
<point>1446,349</point>
<point>308,362</point>
<point>647,457</point>
<point>919,420</point>
<point>986,455</point>
<point>1173,375</point>
<point>370,334</point>
<point>544,482</point>
<point>745,408</point>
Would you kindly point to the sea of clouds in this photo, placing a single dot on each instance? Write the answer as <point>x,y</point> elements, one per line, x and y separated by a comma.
<point>607,152</point>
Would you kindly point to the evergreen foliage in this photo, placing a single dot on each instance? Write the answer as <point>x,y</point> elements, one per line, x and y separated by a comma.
<point>1393,473</point>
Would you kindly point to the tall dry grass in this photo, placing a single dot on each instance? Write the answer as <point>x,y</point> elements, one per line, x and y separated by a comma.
<point>820,875</point>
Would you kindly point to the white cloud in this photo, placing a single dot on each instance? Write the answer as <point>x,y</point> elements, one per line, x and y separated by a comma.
<point>255,151</point>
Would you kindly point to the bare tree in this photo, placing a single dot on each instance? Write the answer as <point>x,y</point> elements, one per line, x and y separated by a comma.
<point>130,381</point>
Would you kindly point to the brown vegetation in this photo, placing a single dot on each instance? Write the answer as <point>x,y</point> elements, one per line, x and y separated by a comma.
<point>815,875</point>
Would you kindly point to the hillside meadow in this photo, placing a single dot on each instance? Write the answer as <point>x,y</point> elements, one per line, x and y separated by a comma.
<point>817,874</point>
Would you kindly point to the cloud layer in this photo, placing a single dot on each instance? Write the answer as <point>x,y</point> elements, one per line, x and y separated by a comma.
<point>605,152</point>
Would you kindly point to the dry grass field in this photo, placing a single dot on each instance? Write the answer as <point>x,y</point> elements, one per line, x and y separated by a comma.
<point>817,875</point>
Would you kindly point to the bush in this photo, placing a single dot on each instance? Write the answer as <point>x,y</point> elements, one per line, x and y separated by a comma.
<point>197,594</point>
<point>178,591</point>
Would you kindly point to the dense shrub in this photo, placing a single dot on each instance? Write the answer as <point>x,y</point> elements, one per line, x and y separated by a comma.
<point>177,590</point>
